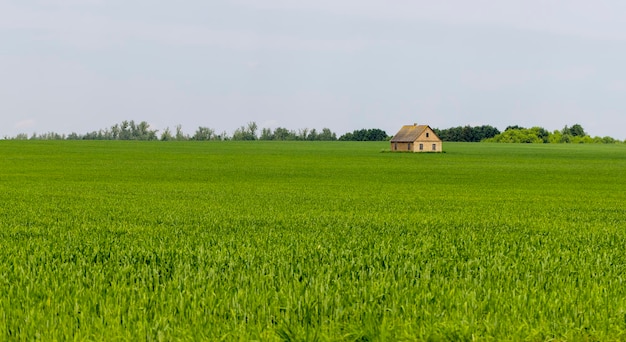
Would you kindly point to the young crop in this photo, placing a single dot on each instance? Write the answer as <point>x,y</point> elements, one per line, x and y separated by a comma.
<point>310,241</point>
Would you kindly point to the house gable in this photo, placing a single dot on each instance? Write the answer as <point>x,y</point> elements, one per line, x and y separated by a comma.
<point>428,135</point>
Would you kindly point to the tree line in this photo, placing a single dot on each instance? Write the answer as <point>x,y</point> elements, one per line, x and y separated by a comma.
<point>130,130</point>
<point>467,133</point>
<point>538,135</point>
<point>517,134</point>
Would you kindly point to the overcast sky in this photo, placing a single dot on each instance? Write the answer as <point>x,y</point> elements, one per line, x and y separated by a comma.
<point>81,65</point>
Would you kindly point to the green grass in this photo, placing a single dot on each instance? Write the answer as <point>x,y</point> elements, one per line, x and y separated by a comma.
<point>311,241</point>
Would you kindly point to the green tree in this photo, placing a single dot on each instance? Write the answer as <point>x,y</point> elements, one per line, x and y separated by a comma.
<point>327,135</point>
<point>303,134</point>
<point>373,134</point>
<point>204,134</point>
<point>467,133</point>
<point>577,131</point>
<point>246,132</point>
<point>252,128</point>
<point>167,135</point>
<point>124,131</point>
<point>347,137</point>
<point>142,131</point>
<point>73,136</point>
<point>533,135</point>
<point>266,134</point>
<point>281,133</point>
<point>179,133</point>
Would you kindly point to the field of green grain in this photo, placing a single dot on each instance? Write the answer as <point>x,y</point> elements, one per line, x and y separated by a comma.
<point>308,241</point>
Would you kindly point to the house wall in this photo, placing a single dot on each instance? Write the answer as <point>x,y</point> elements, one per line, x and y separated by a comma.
<point>415,147</point>
<point>401,146</point>
<point>428,146</point>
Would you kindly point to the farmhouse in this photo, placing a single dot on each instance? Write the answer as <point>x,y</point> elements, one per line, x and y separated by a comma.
<point>416,138</point>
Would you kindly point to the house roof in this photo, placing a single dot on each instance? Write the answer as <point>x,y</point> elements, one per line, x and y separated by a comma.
<point>409,133</point>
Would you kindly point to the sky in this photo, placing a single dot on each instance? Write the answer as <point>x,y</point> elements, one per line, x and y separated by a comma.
<point>83,65</point>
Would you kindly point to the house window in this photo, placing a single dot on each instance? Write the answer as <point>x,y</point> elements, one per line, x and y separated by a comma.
<point>421,147</point>
<point>427,134</point>
<point>408,147</point>
<point>434,147</point>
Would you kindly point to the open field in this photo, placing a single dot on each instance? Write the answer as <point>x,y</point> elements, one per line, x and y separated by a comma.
<point>107,240</point>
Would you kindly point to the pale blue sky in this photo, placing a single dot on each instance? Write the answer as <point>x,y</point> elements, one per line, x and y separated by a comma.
<point>81,65</point>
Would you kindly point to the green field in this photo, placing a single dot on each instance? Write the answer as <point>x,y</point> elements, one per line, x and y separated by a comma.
<point>107,240</point>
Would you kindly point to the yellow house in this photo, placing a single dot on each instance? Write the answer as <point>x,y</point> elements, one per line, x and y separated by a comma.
<point>416,138</point>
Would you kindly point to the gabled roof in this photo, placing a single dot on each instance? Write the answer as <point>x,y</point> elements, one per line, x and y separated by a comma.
<point>409,133</point>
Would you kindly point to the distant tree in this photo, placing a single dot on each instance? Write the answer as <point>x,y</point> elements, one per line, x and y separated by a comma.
<point>281,133</point>
<point>486,132</point>
<point>327,135</point>
<point>567,135</point>
<point>513,127</point>
<point>252,128</point>
<point>127,130</point>
<point>167,135</point>
<point>376,134</point>
<point>555,137</point>
<point>542,134</point>
<point>449,134</point>
<point>373,134</point>
<point>240,134</point>
<point>180,136</point>
<point>223,136</point>
<point>115,132</point>
<point>246,132</point>
<point>566,138</point>
<point>204,134</point>
<point>303,134</point>
<point>47,136</point>
<point>90,136</point>
<point>608,140</point>
<point>21,136</point>
<point>124,131</point>
<point>467,133</point>
<point>266,134</point>
<point>535,135</point>
<point>312,135</point>
<point>142,131</point>
<point>347,137</point>
<point>575,131</point>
